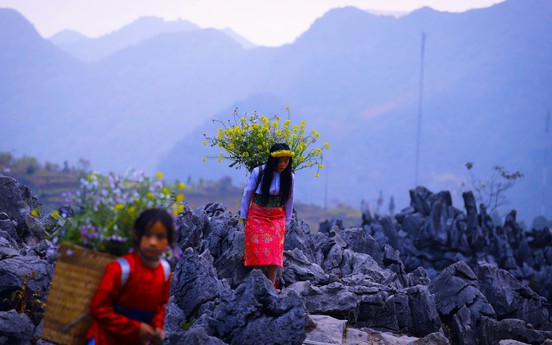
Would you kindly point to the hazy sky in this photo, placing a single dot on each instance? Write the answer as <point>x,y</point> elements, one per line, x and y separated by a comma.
<point>263,22</point>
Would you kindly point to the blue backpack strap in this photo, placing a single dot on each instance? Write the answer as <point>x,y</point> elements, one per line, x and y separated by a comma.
<point>166,269</point>
<point>125,270</point>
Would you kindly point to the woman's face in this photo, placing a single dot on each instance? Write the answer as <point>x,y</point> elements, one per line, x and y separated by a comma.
<point>283,163</point>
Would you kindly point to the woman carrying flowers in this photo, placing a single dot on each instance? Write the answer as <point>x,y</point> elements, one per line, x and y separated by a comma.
<point>266,208</point>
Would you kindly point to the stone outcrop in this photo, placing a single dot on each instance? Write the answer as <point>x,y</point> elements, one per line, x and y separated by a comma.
<point>432,275</point>
<point>434,234</point>
<point>26,264</point>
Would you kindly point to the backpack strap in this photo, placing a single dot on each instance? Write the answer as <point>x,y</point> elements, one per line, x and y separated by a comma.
<point>125,270</point>
<point>166,269</point>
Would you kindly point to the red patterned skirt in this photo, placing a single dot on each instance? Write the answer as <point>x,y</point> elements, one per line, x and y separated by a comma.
<point>265,229</point>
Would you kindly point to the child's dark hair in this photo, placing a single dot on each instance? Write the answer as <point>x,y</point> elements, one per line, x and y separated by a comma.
<point>147,218</point>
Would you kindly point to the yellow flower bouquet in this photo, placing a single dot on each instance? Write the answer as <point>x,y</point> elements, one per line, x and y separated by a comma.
<point>246,141</point>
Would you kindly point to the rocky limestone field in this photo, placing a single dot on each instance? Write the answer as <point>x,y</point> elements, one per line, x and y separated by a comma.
<point>432,274</point>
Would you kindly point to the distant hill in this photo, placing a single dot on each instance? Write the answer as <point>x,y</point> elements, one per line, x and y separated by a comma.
<point>67,38</point>
<point>239,39</point>
<point>353,76</point>
<point>95,49</point>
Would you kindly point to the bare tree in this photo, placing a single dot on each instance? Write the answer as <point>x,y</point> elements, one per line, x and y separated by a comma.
<point>491,192</point>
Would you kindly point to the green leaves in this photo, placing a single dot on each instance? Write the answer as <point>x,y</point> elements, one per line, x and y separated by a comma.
<point>246,141</point>
<point>106,206</point>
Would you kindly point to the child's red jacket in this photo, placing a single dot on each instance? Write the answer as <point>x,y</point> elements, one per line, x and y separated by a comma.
<point>146,291</point>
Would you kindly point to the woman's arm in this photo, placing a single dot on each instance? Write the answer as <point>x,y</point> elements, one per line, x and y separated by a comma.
<point>248,191</point>
<point>288,206</point>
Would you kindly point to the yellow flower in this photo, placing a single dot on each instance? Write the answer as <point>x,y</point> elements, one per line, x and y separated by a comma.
<point>175,212</point>
<point>282,153</point>
<point>327,145</point>
<point>181,185</point>
<point>55,213</point>
<point>321,166</point>
<point>317,175</point>
<point>204,159</point>
<point>34,212</point>
<point>180,197</point>
<point>118,206</point>
<point>204,142</point>
<point>166,191</point>
<point>131,211</point>
<point>159,175</point>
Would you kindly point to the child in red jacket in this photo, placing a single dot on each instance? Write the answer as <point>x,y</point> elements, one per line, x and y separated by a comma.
<point>129,305</point>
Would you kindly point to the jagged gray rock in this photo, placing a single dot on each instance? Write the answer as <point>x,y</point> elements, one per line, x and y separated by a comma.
<point>510,298</point>
<point>254,314</point>
<point>437,235</point>
<point>460,303</point>
<point>195,282</point>
<point>492,331</point>
<point>412,275</point>
<point>15,328</point>
<point>16,202</point>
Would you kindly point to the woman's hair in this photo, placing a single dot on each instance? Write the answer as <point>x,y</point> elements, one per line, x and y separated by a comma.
<point>267,174</point>
<point>148,218</point>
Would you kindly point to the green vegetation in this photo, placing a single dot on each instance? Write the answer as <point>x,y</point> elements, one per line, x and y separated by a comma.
<point>103,210</point>
<point>27,301</point>
<point>186,324</point>
<point>246,141</point>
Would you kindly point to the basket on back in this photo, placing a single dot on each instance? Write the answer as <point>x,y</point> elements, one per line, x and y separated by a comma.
<point>77,274</point>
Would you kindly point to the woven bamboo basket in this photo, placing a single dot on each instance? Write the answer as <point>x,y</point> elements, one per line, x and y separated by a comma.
<point>76,277</point>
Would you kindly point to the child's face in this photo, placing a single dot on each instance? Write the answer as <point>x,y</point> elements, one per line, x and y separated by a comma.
<point>154,242</point>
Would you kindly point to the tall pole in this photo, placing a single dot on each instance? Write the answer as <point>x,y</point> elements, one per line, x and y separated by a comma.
<point>420,99</point>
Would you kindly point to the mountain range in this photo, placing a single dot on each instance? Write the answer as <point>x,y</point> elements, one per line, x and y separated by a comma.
<point>481,94</point>
<point>94,49</point>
